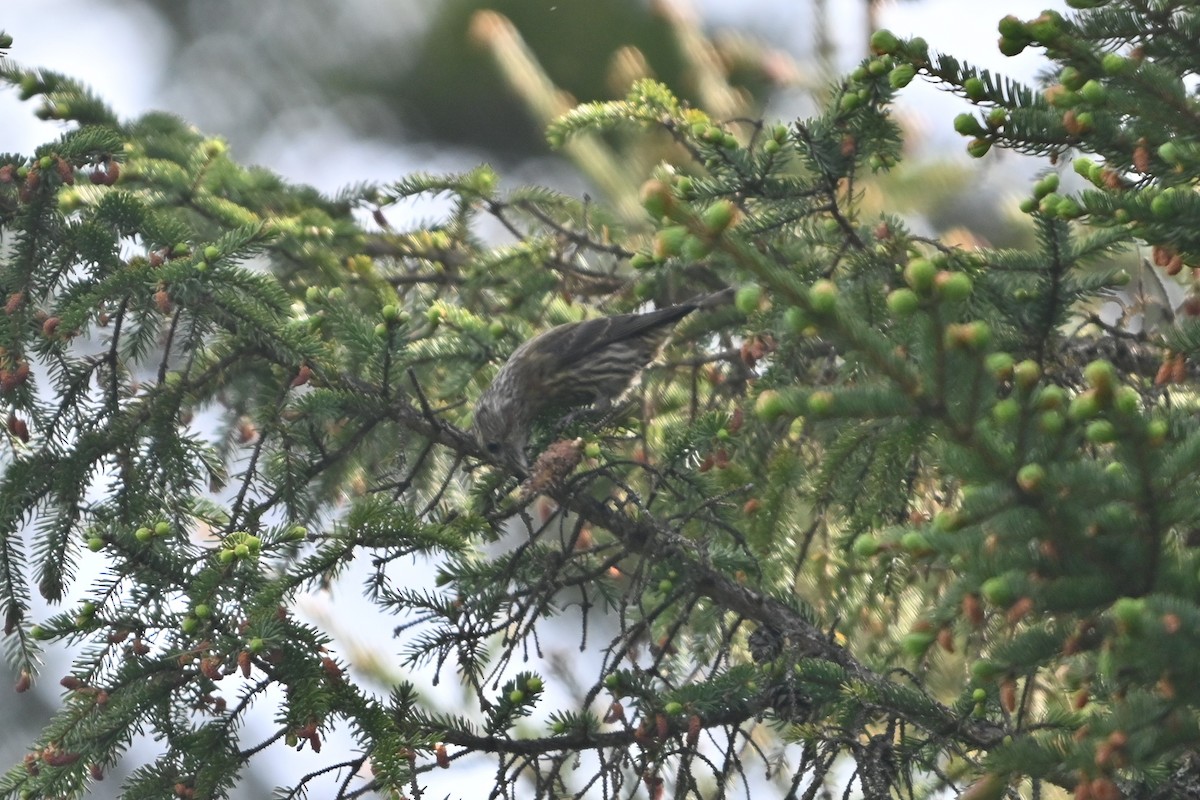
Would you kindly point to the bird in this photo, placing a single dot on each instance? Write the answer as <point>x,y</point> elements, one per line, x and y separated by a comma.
<point>593,362</point>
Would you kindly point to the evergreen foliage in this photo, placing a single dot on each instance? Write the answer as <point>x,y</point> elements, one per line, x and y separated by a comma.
<point>917,509</point>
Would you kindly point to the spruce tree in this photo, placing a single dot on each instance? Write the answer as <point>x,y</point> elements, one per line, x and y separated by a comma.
<point>904,518</point>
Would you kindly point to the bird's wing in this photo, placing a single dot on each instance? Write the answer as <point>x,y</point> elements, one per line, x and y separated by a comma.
<point>595,334</point>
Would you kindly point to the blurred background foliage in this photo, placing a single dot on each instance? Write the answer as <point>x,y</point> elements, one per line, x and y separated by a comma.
<point>463,81</point>
<point>420,71</point>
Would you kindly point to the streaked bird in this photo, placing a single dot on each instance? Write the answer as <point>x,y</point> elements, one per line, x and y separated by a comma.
<point>569,366</point>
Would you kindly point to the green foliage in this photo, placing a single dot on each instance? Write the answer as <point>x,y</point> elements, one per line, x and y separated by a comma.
<point>917,505</point>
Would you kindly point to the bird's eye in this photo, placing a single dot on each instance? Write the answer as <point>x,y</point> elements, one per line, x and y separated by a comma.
<point>493,447</point>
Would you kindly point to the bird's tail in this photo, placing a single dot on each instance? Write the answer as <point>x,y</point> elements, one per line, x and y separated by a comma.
<point>713,299</point>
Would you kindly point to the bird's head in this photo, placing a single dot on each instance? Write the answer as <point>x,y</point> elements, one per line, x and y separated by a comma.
<point>501,433</point>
